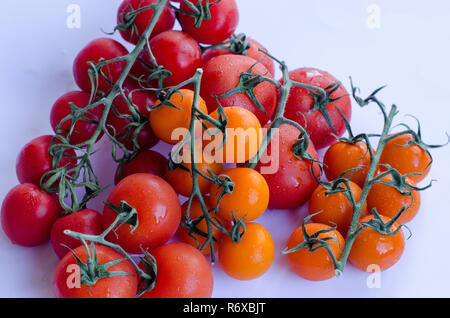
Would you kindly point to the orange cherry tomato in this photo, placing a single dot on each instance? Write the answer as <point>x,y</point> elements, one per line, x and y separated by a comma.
<point>410,159</point>
<point>317,265</point>
<point>181,180</point>
<point>244,136</point>
<point>335,209</point>
<point>196,215</point>
<point>371,248</point>
<point>250,196</point>
<point>389,201</point>
<point>251,257</point>
<point>343,156</point>
<point>166,119</point>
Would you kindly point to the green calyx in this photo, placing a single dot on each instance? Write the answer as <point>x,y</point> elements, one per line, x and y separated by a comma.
<point>199,12</point>
<point>126,214</point>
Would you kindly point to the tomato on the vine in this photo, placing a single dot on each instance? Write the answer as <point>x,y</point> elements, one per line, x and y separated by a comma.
<point>223,22</point>
<point>249,258</point>
<point>243,136</point>
<point>28,215</point>
<point>289,177</point>
<point>148,161</point>
<point>372,248</point>
<point>174,130</point>
<point>34,160</point>
<point>343,156</point>
<point>182,272</point>
<point>315,265</point>
<point>85,221</point>
<point>68,281</point>
<point>222,74</point>
<point>249,199</point>
<point>158,212</point>
<point>99,49</point>
<point>301,106</point>
<point>142,19</point>
<point>83,129</point>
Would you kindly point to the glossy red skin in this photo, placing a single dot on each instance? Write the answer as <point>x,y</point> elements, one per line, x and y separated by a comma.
<point>28,215</point>
<point>222,74</point>
<point>34,160</point>
<point>102,48</point>
<point>301,102</point>
<point>223,22</point>
<point>165,22</point>
<point>293,183</point>
<point>252,52</point>
<point>158,207</point>
<point>123,286</point>
<point>183,272</point>
<point>84,221</point>
<point>83,130</point>
<point>177,51</point>
<point>146,137</point>
<point>148,161</point>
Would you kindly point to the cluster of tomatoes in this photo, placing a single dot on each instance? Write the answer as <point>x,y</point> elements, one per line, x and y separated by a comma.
<point>233,196</point>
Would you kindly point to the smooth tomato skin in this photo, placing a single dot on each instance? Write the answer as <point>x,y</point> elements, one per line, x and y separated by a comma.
<point>177,51</point>
<point>411,159</point>
<point>251,257</point>
<point>372,248</point>
<point>252,52</point>
<point>335,209</point>
<point>85,221</point>
<point>244,145</point>
<point>148,161</point>
<point>179,118</point>
<point>158,207</point>
<point>102,48</point>
<point>317,265</point>
<point>183,272</point>
<point>34,160</point>
<point>292,183</point>
<point>146,138</point>
<point>28,215</point>
<point>222,74</point>
<point>196,213</point>
<point>301,102</point>
<point>342,156</point>
<point>142,19</point>
<point>389,201</point>
<point>111,287</point>
<point>83,130</point>
<point>223,22</point>
<point>249,199</point>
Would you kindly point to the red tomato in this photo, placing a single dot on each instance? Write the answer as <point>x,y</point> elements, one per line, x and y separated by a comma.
<point>103,48</point>
<point>252,52</point>
<point>28,215</point>
<point>223,22</point>
<point>177,51</point>
<point>147,161</point>
<point>222,74</point>
<point>292,182</point>
<point>183,272</point>
<point>34,160</point>
<point>142,19</point>
<point>85,221</point>
<point>140,99</point>
<point>301,103</point>
<point>67,284</point>
<point>83,129</point>
<point>158,208</point>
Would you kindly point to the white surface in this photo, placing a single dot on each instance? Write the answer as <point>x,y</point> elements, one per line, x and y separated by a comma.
<point>409,52</point>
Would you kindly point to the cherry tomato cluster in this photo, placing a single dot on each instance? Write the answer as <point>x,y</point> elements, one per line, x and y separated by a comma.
<point>167,215</point>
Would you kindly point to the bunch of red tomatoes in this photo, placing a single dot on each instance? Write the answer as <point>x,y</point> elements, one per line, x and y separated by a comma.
<point>124,251</point>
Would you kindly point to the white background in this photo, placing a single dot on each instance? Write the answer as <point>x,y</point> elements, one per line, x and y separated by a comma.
<point>409,52</point>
